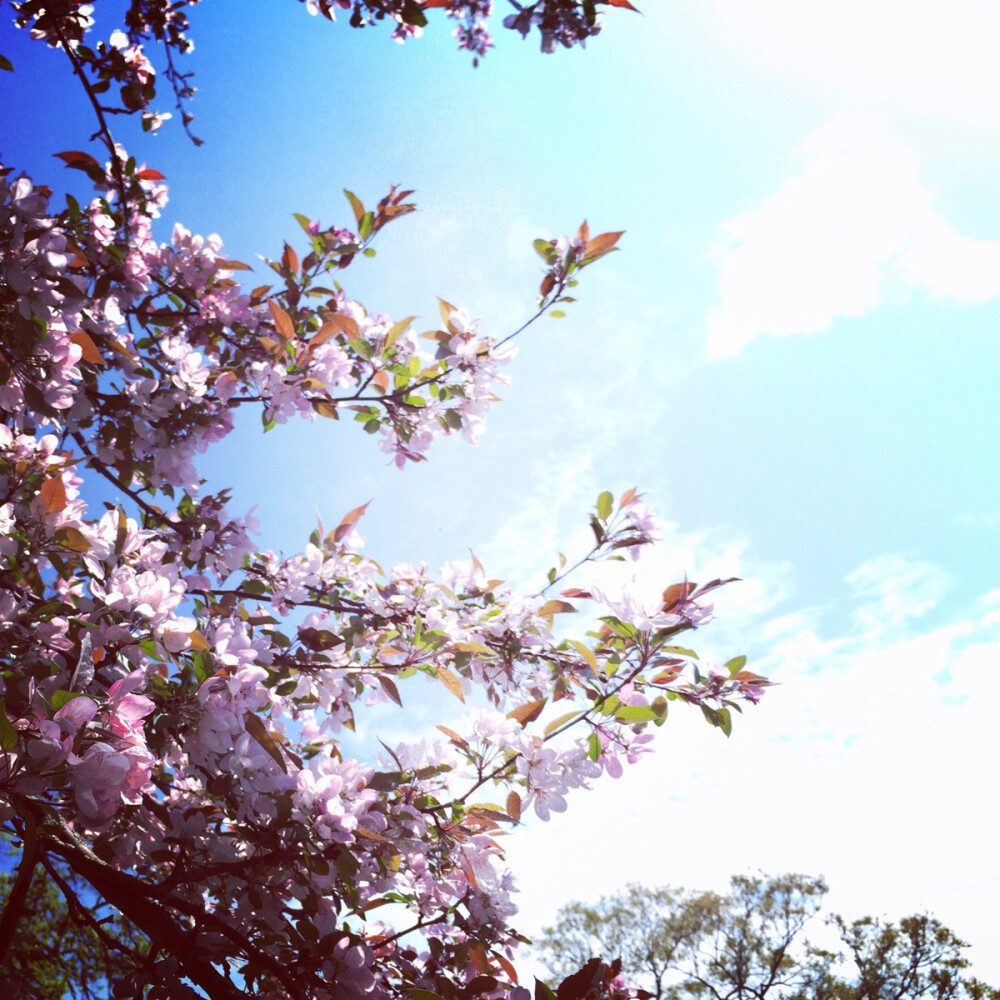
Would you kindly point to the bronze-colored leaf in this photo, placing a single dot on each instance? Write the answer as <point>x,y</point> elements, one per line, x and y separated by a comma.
<point>88,349</point>
<point>75,158</point>
<point>459,741</point>
<point>452,682</point>
<point>350,519</point>
<point>325,408</point>
<point>389,686</point>
<point>346,325</point>
<point>602,244</point>
<point>514,806</point>
<point>72,539</point>
<point>282,321</point>
<point>54,494</point>
<point>527,712</point>
<point>258,731</point>
<point>555,607</point>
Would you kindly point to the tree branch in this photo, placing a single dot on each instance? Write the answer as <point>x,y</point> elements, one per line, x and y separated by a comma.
<point>14,909</point>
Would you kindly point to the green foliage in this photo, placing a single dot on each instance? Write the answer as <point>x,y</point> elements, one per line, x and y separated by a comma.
<point>749,944</point>
<point>64,947</point>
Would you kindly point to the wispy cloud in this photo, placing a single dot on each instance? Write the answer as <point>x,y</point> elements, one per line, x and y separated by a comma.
<point>854,226</point>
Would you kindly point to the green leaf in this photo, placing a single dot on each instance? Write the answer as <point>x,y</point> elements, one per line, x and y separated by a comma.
<point>557,314</point>
<point>719,717</point>
<point>546,251</point>
<point>631,714</point>
<point>594,746</point>
<point>386,781</point>
<point>412,13</point>
<point>419,994</point>
<point>605,502</point>
<point>59,698</point>
<point>735,665</point>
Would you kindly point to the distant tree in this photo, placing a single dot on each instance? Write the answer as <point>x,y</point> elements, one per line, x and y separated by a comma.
<point>648,928</point>
<point>63,948</point>
<point>918,957</point>
<point>749,945</point>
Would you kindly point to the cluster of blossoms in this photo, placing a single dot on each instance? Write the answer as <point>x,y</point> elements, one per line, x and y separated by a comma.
<point>174,702</point>
<point>559,22</point>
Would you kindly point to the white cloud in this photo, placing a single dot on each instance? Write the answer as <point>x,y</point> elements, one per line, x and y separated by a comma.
<point>924,56</point>
<point>869,764</point>
<point>853,227</point>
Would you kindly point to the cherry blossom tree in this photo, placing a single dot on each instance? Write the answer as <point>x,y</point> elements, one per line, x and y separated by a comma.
<point>174,696</point>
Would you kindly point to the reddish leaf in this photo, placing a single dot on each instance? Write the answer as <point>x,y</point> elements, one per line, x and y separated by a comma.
<point>583,233</point>
<point>454,737</point>
<point>548,283</point>
<point>389,686</point>
<point>256,728</point>
<point>620,3</point>
<point>602,244</point>
<point>677,593</point>
<point>54,494</point>
<point>149,175</point>
<point>346,325</point>
<point>289,259</point>
<point>507,967</point>
<point>75,158</point>
<point>79,260</point>
<point>555,608</point>
<point>478,955</point>
<point>88,348</point>
<point>668,676</point>
<point>576,592</point>
<point>350,519</point>
<point>514,810</point>
<point>627,497</point>
<point>282,321</point>
<point>527,712</point>
<point>234,265</point>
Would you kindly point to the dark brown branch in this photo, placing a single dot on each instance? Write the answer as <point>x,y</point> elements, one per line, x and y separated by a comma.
<point>14,909</point>
<point>80,913</point>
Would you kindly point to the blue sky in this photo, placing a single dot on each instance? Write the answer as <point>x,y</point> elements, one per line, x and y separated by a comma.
<point>795,356</point>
